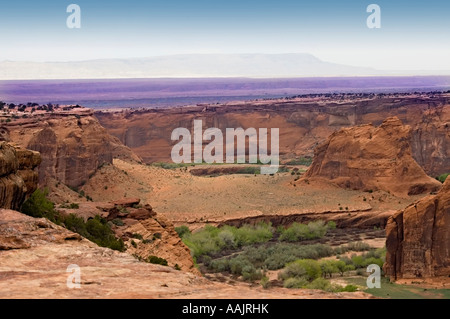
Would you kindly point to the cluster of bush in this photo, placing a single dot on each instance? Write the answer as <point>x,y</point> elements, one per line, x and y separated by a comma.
<point>96,229</point>
<point>272,257</point>
<point>310,274</point>
<point>211,240</point>
<point>299,232</point>
<point>376,256</point>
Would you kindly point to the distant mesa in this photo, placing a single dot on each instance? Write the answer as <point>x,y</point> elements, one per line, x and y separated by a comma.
<point>183,66</point>
<point>372,158</point>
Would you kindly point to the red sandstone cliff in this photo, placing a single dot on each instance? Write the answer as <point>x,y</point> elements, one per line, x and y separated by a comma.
<point>372,158</point>
<point>18,177</point>
<point>72,146</point>
<point>418,238</point>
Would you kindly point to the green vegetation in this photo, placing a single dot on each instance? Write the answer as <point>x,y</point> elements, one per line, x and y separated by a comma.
<point>137,236</point>
<point>71,206</point>
<point>95,229</point>
<point>306,273</point>
<point>270,257</point>
<point>299,232</point>
<point>211,239</point>
<point>306,161</point>
<point>182,230</point>
<point>396,291</point>
<point>442,177</point>
<point>157,260</point>
<point>118,222</point>
<point>376,256</point>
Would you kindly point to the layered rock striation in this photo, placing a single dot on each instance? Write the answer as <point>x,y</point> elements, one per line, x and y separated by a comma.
<point>372,158</point>
<point>418,238</point>
<point>72,145</point>
<point>18,177</point>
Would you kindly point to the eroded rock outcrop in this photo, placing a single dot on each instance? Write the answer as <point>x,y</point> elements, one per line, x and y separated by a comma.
<point>304,123</point>
<point>418,238</point>
<point>18,178</point>
<point>145,232</point>
<point>72,146</point>
<point>35,255</point>
<point>372,158</point>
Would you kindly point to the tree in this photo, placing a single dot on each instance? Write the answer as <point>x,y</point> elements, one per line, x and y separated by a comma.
<point>308,269</point>
<point>328,267</point>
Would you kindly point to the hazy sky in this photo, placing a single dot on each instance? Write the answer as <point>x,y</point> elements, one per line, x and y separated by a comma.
<point>414,35</point>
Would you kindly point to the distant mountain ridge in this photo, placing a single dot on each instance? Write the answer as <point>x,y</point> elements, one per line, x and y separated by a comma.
<point>187,65</point>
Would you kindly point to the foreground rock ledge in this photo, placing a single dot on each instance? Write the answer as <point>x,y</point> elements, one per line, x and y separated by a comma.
<point>35,254</point>
<point>418,239</point>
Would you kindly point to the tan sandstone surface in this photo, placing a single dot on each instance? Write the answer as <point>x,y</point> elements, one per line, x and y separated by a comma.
<point>35,254</point>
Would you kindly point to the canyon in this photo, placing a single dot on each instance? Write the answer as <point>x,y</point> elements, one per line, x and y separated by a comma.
<point>367,166</point>
<point>304,122</point>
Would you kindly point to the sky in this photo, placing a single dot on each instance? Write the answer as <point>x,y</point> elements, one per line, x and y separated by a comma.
<point>414,35</point>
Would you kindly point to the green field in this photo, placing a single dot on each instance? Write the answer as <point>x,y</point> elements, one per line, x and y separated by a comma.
<point>396,291</point>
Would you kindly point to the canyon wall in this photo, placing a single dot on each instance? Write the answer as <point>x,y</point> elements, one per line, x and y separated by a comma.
<point>372,158</point>
<point>18,177</point>
<point>304,123</point>
<point>418,238</point>
<point>72,144</point>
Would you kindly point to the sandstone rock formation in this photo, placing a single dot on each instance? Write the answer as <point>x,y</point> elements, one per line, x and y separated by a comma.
<point>418,238</point>
<point>372,158</point>
<point>72,145</point>
<point>35,255</point>
<point>151,233</point>
<point>304,123</point>
<point>18,178</point>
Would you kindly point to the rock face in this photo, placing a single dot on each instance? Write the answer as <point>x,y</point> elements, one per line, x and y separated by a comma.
<point>35,255</point>
<point>152,233</point>
<point>18,178</point>
<point>418,239</point>
<point>372,158</point>
<point>304,123</point>
<point>72,146</point>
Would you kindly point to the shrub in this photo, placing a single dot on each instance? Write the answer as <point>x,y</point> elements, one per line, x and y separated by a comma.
<point>137,236</point>
<point>157,260</point>
<point>249,273</point>
<point>319,283</point>
<point>117,222</point>
<point>298,232</point>
<point>295,283</point>
<point>157,236</point>
<point>74,206</point>
<point>40,207</point>
<point>303,268</point>
<point>329,267</point>
<point>182,230</point>
<point>331,225</point>
<point>227,237</point>
<point>265,282</point>
<point>442,177</point>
